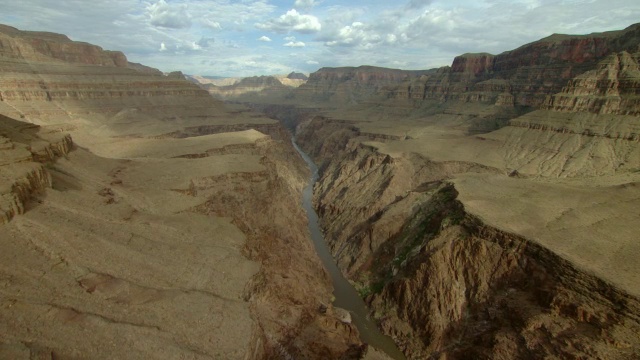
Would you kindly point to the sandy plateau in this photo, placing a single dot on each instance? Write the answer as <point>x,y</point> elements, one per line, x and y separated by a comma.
<point>141,218</point>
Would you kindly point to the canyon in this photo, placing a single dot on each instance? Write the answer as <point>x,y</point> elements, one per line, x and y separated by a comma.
<point>481,210</point>
<point>484,210</point>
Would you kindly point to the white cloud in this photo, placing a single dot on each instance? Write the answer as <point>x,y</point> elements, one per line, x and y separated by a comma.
<point>164,15</point>
<point>295,44</point>
<point>356,34</point>
<point>292,21</point>
<point>211,24</point>
<point>290,38</point>
<point>206,42</point>
<point>408,33</point>
<point>305,4</point>
<point>265,38</point>
<point>312,62</point>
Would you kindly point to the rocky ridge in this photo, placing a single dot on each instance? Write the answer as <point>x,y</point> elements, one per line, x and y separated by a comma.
<point>442,282</point>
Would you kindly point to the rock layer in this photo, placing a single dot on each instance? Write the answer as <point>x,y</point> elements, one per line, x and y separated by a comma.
<point>613,88</point>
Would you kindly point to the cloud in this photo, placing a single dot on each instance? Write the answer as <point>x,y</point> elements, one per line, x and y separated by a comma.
<point>355,35</point>
<point>292,21</point>
<point>416,34</point>
<point>312,62</point>
<point>265,39</point>
<point>211,24</point>
<point>305,4</point>
<point>295,44</point>
<point>418,4</point>
<point>206,42</point>
<point>164,15</point>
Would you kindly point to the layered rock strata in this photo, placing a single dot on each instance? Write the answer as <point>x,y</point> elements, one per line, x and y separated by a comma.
<point>613,88</point>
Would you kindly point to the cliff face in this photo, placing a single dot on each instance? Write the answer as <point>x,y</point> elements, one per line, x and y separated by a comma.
<point>525,76</point>
<point>25,149</point>
<point>612,88</point>
<point>350,85</point>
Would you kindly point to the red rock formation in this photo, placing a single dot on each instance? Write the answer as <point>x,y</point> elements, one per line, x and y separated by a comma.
<point>538,69</point>
<point>521,77</point>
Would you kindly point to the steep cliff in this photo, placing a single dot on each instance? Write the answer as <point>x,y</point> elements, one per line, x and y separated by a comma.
<point>519,79</point>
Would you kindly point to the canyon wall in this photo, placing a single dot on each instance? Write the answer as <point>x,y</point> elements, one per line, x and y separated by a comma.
<point>348,85</point>
<point>441,281</point>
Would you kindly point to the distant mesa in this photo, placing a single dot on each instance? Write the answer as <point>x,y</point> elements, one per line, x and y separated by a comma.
<point>247,88</point>
<point>297,76</point>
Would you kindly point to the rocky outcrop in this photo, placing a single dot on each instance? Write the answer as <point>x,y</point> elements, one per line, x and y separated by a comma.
<point>25,149</point>
<point>297,76</point>
<point>472,291</point>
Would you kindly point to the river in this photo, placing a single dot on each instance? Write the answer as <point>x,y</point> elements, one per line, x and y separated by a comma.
<point>345,294</point>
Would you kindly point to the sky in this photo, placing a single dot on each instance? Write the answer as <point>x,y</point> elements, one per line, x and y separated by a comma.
<point>263,37</point>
